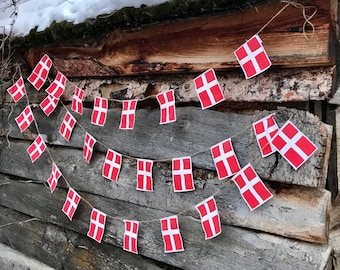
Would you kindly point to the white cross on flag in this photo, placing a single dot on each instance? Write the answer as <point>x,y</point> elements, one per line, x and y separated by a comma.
<point>48,105</point>
<point>112,164</point>
<point>210,219</point>
<point>57,87</point>
<point>166,102</point>
<point>182,174</point>
<point>208,89</point>
<point>25,119</point>
<point>264,130</point>
<point>97,225</point>
<point>54,177</point>
<point>171,235</point>
<point>77,101</point>
<point>40,72</point>
<point>17,90</point>
<point>127,120</point>
<point>144,175</point>
<point>71,203</point>
<point>293,145</point>
<point>225,160</point>
<point>99,112</point>
<point>88,147</point>
<point>252,57</point>
<point>67,126</point>
<point>36,148</point>
<point>130,236</point>
<point>251,187</point>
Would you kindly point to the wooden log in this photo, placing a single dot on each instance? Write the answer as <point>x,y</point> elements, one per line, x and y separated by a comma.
<point>239,247</point>
<point>62,248</point>
<point>193,131</point>
<point>201,43</point>
<point>290,213</point>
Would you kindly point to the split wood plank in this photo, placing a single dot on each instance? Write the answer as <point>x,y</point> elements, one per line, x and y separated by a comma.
<point>295,211</point>
<point>201,43</point>
<point>194,130</point>
<point>236,246</point>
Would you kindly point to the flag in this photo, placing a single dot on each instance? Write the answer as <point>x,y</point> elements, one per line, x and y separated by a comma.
<point>251,187</point>
<point>88,147</point>
<point>264,130</point>
<point>71,203</point>
<point>171,235</point>
<point>17,90</point>
<point>166,102</point>
<point>225,159</point>
<point>252,57</point>
<point>127,120</point>
<point>182,174</point>
<point>293,145</point>
<point>77,101</point>
<point>25,119</point>
<point>130,236</point>
<point>48,105</point>
<point>97,225</point>
<point>40,72</point>
<point>54,177</point>
<point>112,164</point>
<point>67,126</point>
<point>210,219</point>
<point>208,89</point>
<point>57,87</point>
<point>36,148</point>
<point>99,112</point>
<point>144,175</point>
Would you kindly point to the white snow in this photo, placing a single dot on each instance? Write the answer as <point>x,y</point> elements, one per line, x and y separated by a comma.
<point>42,13</point>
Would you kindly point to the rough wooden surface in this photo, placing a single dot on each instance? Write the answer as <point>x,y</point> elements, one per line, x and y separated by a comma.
<point>295,211</point>
<point>235,246</point>
<point>192,132</point>
<point>201,43</point>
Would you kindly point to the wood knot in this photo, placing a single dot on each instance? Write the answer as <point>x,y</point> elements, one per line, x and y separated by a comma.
<point>182,123</point>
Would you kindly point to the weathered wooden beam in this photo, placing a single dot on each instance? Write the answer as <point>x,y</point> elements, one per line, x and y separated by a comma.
<point>290,213</point>
<point>62,248</point>
<point>201,43</point>
<point>193,131</point>
<point>234,246</point>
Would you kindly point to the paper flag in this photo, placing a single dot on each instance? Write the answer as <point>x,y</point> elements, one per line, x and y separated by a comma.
<point>71,203</point>
<point>54,177</point>
<point>67,126</point>
<point>88,147</point>
<point>127,120</point>
<point>36,148</point>
<point>25,119</point>
<point>97,225</point>
<point>130,236</point>
<point>99,112</point>
<point>171,235</point>
<point>48,105</point>
<point>112,164</point>
<point>144,175</point>
<point>17,90</point>
<point>77,101</point>
<point>166,102</point>
<point>182,174</point>
<point>40,72</point>
<point>57,87</point>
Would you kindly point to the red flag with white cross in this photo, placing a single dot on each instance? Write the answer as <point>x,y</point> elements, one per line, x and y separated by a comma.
<point>127,120</point>
<point>264,130</point>
<point>144,175</point>
<point>130,236</point>
<point>171,235</point>
<point>112,164</point>
<point>293,145</point>
<point>208,89</point>
<point>252,57</point>
<point>77,100</point>
<point>88,147</point>
<point>67,126</point>
<point>97,225</point>
<point>54,177</point>
<point>57,87</point>
<point>225,159</point>
<point>49,104</point>
<point>182,174</point>
<point>36,149</point>
<point>17,90</point>
<point>251,187</point>
<point>99,112</point>
<point>25,119</point>
<point>40,72</point>
<point>210,218</point>
<point>71,203</point>
<point>167,106</point>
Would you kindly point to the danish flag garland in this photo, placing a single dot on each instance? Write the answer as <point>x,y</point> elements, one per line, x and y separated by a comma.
<point>288,140</point>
